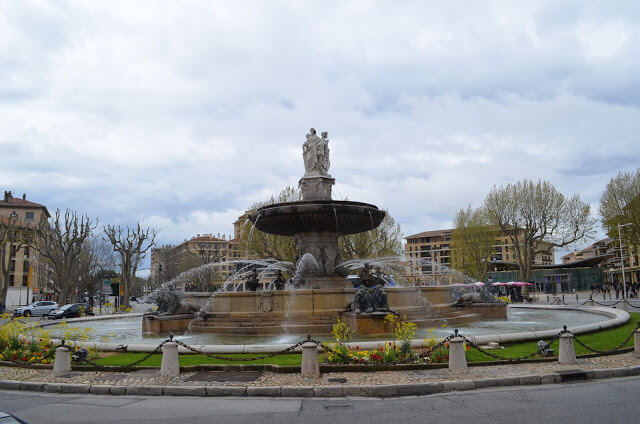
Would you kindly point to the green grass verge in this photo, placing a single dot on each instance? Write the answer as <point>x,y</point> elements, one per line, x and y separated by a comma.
<point>600,340</point>
<point>121,359</point>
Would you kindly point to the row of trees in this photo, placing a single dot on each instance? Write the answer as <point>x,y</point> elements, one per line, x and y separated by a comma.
<point>537,218</point>
<point>78,256</point>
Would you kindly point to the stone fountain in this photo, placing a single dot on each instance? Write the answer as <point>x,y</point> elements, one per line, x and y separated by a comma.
<point>316,222</point>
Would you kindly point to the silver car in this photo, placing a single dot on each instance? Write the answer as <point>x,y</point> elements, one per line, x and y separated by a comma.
<point>42,307</point>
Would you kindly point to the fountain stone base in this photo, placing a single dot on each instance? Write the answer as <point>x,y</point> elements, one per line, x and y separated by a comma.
<point>372,324</point>
<point>155,324</point>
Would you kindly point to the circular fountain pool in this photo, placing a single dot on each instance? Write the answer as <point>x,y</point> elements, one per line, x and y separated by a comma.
<point>128,330</point>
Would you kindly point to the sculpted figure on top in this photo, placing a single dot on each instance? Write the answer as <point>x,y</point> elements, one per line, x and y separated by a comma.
<point>315,152</point>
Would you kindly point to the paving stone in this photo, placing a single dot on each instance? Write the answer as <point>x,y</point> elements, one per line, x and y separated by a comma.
<point>273,391</point>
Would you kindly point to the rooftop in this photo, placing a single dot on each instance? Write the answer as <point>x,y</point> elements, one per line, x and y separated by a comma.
<point>15,202</point>
<point>429,234</point>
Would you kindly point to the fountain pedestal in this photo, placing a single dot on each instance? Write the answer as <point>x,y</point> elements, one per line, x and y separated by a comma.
<point>372,324</point>
<point>316,187</point>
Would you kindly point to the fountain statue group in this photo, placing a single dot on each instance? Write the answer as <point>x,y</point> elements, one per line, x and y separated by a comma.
<point>370,296</point>
<point>315,152</point>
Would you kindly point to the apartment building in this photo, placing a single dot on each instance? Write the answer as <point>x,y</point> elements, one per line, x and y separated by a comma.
<point>28,270</point>
<point>169,261</point>
<point>610,255</point>
<point>428,255</point>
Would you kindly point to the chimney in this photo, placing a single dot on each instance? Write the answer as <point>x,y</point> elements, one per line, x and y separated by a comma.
<point>24,196</point>
<point>7,196</point>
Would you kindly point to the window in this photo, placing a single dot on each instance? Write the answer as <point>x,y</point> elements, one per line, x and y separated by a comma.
<point>25,279</point>
<point>30,216</point>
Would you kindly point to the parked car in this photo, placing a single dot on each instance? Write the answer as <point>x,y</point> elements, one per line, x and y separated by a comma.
<point>71,310</point>
<point>42,307</point>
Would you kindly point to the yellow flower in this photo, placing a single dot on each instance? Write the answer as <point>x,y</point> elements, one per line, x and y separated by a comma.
<point>443,325</point>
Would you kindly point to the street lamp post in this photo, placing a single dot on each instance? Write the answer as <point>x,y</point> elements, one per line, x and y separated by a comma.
<point>624,282</point>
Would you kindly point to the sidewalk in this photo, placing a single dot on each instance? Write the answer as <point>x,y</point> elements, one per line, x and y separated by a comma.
<point>256,383</point>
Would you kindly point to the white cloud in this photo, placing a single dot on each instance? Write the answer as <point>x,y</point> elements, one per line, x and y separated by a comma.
<point>180,116</point>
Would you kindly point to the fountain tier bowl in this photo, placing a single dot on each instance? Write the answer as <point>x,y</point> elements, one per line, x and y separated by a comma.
<point>342,217</point>
<point>315,311</point>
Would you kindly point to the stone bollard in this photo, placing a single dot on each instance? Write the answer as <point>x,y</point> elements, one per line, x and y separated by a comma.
<point>170,366</point>
<point>62,362</point>
<point>636,342</point>
<point>566,350</point>
<point>457,356</point>
<point>310,365</point>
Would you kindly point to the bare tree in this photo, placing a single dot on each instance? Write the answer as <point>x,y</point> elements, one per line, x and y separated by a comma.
<point>95,264</point>
<point>131,245</point>
<point>60,241</point>
<point>537,218</point>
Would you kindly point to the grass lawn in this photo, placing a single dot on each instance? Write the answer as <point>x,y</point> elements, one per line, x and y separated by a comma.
<point>120,359</point>
<point>600,340</point>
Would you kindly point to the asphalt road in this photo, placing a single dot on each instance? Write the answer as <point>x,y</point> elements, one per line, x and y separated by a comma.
<point>601,401</point>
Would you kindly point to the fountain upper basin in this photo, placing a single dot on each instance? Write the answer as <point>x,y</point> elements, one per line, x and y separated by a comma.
<point>342,217</point>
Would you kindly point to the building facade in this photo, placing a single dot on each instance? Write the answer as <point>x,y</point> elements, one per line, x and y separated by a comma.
<point>612,258</point>
<point>28,276</point>
<point>428,256</point>
<point>169,261</point>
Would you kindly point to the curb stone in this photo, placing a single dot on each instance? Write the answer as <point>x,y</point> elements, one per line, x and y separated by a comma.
<point>144,390</point>
<point>100,389</point>
<point>183,391</point>
<point>383,390</point>
<point>117,390</point>
<point>226,390</point>
<point>74,388</point>
<point>274,391</point>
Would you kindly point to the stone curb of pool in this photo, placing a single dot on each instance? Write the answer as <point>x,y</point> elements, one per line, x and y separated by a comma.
<point>382,390</point>
<point>618,317</point>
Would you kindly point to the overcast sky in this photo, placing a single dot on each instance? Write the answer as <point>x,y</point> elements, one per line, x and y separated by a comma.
<point>181,114</point>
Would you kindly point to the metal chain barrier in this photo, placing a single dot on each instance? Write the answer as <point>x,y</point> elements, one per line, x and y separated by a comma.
<point>589,348</point>
<point>133,364</point>
<point>502,358</point>
<point>611,304</point>
<point>236,359</point>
